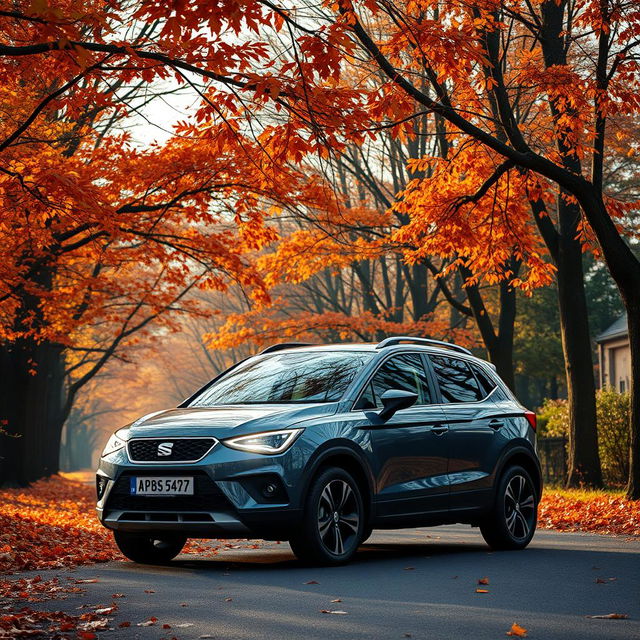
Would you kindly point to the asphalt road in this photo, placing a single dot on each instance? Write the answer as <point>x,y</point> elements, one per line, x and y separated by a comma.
<point>418,583</point>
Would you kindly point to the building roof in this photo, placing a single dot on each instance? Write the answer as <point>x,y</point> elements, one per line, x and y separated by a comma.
<point>618,329</point>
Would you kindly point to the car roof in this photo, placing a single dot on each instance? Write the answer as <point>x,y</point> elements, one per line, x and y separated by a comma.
<point>373,348</point>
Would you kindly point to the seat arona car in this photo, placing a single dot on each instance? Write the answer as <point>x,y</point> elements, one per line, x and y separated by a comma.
<point>319,445</point>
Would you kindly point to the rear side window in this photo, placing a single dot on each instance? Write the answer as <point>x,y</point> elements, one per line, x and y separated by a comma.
<point>487,384</point>
<point>404,372</point>
<point>456,380</point>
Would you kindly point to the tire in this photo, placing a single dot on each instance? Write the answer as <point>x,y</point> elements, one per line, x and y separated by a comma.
<point>149,549</point>
<point>512,521</point>
<point>333,520</point>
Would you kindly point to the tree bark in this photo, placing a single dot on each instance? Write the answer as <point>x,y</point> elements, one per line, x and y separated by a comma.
<point>32,409</point>
<point>632,304</point>
<point>499,344</point>
<point>584,459</point>
<point>625,270</point>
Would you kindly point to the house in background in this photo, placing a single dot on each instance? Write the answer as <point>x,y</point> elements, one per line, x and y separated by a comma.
<point>614,355</point>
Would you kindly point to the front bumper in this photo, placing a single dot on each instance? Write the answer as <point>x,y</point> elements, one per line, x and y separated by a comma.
<point>229,499</point>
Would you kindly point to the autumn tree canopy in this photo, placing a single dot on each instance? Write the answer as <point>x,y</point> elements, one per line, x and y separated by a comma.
<point>527,107</point>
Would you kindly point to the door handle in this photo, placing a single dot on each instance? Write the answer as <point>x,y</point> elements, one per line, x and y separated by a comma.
<point>439,429</point>
<point>496,424</point>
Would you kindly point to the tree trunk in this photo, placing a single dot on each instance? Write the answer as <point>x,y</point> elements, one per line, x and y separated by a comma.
<point>584,460</point>
<point>32,408</point>
<point>499,344</point>
<point>624,267</point>
<point>632,303</point>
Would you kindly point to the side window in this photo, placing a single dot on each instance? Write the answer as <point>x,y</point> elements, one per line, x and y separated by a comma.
<point>456,380</point>
<point>367,399</point>
<point>404,372</point>
<point>487,384</point>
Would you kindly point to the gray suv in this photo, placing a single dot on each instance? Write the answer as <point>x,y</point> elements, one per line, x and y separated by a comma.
<point>319,445</point>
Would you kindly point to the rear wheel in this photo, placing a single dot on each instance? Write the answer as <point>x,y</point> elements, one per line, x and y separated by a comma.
<point>512,521</point>
<point>333,520</point>
<point>149,549</point>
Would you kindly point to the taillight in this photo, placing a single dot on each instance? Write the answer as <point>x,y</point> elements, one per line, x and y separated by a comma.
<point>532,418</point>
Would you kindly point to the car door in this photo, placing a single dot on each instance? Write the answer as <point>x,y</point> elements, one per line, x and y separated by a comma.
<point>410,448</point>
<point>475,437</point>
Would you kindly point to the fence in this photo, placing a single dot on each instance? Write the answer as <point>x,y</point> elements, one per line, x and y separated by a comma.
<point>553,460</point>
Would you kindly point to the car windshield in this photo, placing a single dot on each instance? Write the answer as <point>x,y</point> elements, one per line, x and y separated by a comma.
<point>298,377</point>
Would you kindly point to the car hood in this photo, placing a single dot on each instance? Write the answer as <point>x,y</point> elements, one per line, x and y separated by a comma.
<point>225,421</point>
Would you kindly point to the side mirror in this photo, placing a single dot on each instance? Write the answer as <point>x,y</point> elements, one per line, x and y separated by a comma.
<point>395,399</point>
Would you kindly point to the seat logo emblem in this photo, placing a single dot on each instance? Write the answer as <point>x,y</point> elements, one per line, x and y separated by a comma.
<point>165,448</point>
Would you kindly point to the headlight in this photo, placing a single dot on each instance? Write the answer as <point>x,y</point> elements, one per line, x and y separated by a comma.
<point>269,442</point>
<point>115,442</point>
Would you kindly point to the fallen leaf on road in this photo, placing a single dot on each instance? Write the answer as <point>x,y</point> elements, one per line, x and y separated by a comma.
<point>183,625</point>
<point>600,581</point>
<point>166,626</point>
<point>148,623</point>
<point>337,600</point>
<point>334,611</point>
<point>117,595</point>
<point>105,611</point>
<point>149,591</point>
<point>90,581</point>
<point>228,599</point>
<point>312,582</point>
<point>86,635</point>
<point>483,581</point>
<point>611,616</point>
<point>124,625</point>
<point>206,635</point>
<point>94,625</point>
<point>482,590</point>
<point>517,630</point>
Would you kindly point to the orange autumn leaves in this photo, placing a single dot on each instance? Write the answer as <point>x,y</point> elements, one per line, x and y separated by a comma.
<point>592,511</point>
<point>51,525</point>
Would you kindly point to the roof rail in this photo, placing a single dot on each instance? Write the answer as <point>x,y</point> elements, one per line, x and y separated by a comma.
<point>285,345</point>
<point>388,342</point>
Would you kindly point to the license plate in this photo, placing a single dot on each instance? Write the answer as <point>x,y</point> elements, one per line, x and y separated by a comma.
<point>161,486</point>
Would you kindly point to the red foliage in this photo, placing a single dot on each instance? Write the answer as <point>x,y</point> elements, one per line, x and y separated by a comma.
<point>595,512</point>
<point>29,622</point>
<point>50,525</point>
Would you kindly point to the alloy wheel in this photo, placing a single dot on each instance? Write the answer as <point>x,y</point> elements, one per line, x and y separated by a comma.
<point>519,507</point>
<point>338,517</point>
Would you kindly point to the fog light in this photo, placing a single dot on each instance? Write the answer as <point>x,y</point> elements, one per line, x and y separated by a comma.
<point>269,490</point>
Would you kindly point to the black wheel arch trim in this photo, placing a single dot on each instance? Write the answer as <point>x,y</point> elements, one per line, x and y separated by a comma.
<point>337,448</point>
<point>514,449</point>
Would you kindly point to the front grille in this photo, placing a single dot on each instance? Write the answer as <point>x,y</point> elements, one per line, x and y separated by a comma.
<point>169,449</point>
<point>207,496</point>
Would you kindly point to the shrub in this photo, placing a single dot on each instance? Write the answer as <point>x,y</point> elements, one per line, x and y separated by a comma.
<point>553,419</point>
<point>613,415</point>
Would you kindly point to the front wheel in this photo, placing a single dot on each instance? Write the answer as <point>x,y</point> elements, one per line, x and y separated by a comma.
<point>512,521</point>
<point>149,549</point>
<point>333,520</point>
